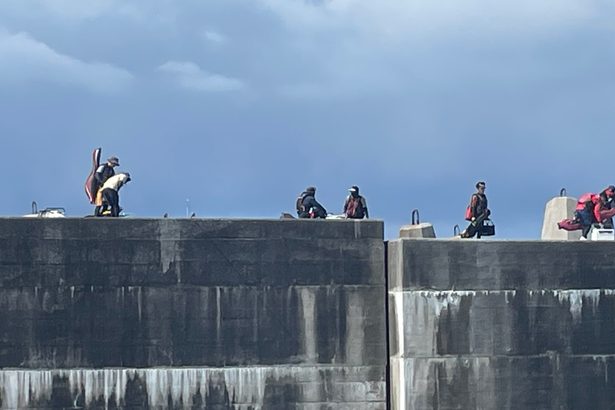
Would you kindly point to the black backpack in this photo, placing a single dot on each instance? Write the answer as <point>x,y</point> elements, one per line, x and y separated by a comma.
<point>299,204</point>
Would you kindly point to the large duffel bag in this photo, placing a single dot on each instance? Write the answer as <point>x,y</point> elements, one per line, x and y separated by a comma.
<point>91,186</point>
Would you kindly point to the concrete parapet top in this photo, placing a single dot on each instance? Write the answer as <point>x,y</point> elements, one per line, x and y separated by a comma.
<point>204,252</point>
<point>124,228</point>
<point>468,264</point>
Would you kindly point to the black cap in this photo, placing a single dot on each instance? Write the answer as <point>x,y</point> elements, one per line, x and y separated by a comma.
<point>113,161</point>
<point>310,189</point>
<point>480,183</point>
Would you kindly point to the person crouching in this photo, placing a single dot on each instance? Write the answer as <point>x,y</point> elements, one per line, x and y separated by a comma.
<point>110,192</point>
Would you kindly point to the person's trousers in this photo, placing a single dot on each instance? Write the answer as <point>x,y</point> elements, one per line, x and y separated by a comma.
<point>470,231</point>
<point>113,200</point>
<point>585,217</point>
<point>475,227</point>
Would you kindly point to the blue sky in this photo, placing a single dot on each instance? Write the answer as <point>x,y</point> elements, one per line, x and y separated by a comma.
<point>240,104</point>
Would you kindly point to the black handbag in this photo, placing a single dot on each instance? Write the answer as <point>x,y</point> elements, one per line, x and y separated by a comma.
<point>487,228</point>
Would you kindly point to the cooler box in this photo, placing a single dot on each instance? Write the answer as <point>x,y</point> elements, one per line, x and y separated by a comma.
<point>602,234</point>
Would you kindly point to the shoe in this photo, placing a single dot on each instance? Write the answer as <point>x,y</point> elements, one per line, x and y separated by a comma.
<point>583,238</point>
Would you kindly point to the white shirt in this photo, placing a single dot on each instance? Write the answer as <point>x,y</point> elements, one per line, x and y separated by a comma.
<point>115,182</point>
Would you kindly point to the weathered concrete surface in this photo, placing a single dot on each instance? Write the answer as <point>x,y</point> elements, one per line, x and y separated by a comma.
<point>548,381</point>
<point>501,324</point>
<point>557,209</point>
<point>259,314</point>
<point>270,387</point>
<point>421,230</point>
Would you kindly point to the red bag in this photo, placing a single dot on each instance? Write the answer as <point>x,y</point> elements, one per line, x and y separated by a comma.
<point>469,213</point>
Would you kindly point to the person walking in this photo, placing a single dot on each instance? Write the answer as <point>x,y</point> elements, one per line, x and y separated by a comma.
<point>477,212</point>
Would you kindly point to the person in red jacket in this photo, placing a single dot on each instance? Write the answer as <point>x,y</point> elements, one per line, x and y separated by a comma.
<point>583,215</point>
<point>592,208</point>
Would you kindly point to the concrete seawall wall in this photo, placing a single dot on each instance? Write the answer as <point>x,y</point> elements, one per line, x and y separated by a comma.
<point>288,314</point>
<point>501,325</point>
<point>219,314</point>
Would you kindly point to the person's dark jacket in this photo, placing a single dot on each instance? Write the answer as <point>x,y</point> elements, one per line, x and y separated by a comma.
<point>309,202</point>
<point>603,205</point>
<point>358,210</point>
<point>479,205</point>
<point>103,173</point>
<point>605,201</point>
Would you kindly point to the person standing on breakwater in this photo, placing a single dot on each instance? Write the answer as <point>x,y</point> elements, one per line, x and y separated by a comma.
<point>110,192</point>
<point>97,177</point>
<point>355,206</point>
<point>106,171</point>
<point>102,174</point>
<point>477,212</point>
<point>307,205</point>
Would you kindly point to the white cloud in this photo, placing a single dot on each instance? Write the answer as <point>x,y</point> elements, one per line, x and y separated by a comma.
<point>356,46</point>
<point>214,37</point>
<point>70,9</point>
<point>189,75</point>
<point>26,60</point>
<point>401,17</point>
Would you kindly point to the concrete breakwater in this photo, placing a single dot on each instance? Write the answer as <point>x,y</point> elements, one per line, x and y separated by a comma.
<point>501,324</point>
<point>192,314</point>
<point>288,314</point>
